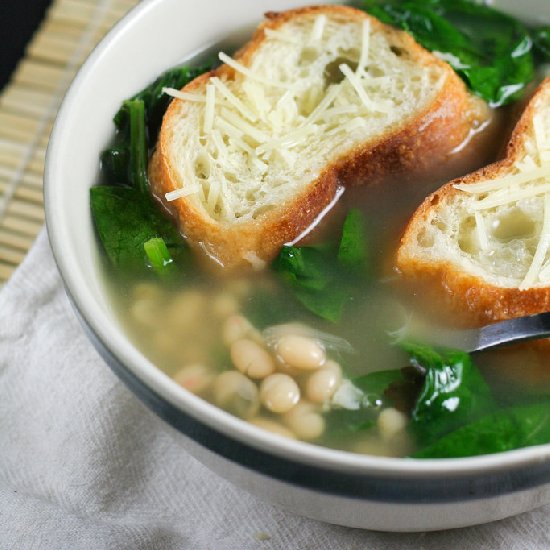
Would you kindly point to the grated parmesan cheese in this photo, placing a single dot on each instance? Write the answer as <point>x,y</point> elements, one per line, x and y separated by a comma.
<point>481,231</point>
<point>507,181</point>
<point>318,28</point>
<point>512,196</point>
<point>261,123</point>
<point>235,65</point>
<point>210,108</point>
<point>233,99</point>
<point>182,192</point>
<point>363,58</point>
<point>355,81</point>
<point>246,128</point>
<point>542,248</point>
<point>186,96</point>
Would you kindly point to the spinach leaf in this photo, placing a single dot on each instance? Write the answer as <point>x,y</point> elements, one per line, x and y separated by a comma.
<point>541,42</point>
<point>376,383</point>
<point>159,256</point>
<point>126,161</point>
<point>490,51</point>
<point>265,307</point>
<point>128,222</point>
<point>343,421</point>
<point>353,245</point>
<point>453,393</point>
<point>402,393</point>
<point>310,273</point>
<point>156,101</point>
<point>366,404</point>
<point>505,430</point>
<point>125,219</point>
<point>324,278</point>
<point>114,164</point>
<point>138,145</point>
<point>133,140</point>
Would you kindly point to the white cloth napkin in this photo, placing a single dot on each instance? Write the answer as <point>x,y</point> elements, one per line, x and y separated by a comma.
<point>84,465</point>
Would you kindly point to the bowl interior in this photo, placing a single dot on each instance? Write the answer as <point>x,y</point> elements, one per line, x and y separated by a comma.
<point>156,35</point>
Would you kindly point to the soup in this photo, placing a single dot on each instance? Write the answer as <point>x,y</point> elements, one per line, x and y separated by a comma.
<point>308,348</point>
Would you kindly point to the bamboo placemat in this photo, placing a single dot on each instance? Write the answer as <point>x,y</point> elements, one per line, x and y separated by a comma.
<point>28,106</point>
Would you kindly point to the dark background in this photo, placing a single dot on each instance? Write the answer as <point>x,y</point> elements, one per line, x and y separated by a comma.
<point>18,21</point>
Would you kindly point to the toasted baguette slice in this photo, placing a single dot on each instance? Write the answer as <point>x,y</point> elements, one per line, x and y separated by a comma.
<point>251,154</point>
<point>483,240</point>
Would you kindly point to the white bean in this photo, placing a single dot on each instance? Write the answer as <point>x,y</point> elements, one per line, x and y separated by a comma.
<point>240,287</point>
<point>186,309</point>
<point>301,352</point>
<point>287,369</point>
<point>223,305</point>
<point>145,312</point>
<point>147,290</point>
<point>193,351</point>
<point>237,327</point>
<point>323,383</point>
<point>305,421</point>
<point>289,329</point>
<point>164,343</point>
<point>251,359</point>
<point>236,393</point>
<point>390,422</point>
<point>272,426</point>
<point>279,393</point>
<point>195,377</point>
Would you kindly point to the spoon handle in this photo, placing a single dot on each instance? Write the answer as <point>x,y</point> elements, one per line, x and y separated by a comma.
<point>513,330</point>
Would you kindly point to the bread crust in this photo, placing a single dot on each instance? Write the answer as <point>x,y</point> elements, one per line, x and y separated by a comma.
<point>426,138</point>
<point>470,298</point>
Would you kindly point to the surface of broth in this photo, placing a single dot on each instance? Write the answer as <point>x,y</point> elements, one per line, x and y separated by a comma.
<point>184,325</point>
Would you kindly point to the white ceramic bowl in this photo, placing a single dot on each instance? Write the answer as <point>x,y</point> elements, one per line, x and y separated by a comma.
<point>361,491</point>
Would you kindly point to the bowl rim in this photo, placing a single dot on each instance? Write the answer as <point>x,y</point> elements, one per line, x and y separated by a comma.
<point>113,338</point>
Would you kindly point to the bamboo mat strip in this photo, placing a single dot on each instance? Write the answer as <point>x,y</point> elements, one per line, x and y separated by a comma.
<point>28,106</point>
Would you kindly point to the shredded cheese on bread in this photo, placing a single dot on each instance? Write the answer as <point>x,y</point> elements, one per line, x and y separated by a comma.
<point>315,86</point>
<point>491,229</point>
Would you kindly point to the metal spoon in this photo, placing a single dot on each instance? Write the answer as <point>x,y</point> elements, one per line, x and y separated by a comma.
<point>497,334</point>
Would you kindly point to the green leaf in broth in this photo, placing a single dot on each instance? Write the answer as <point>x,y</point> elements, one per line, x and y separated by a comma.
<point>325,278</point>
<point>541,42</point>
<point>114,164</point>
<point>271,307</point>
<point>122,225</point>
<point>504,430</point>
<point>352,251</point>
<point>137,162</point>
<point>159,257</point>
<point>125,220</point>
<point>490,50</point>
<point>306,267</point>
<point>330,306</point>
<point>343,421</point>
<point>125,162</point>
<point>376,383</point>
<point>453,393</point>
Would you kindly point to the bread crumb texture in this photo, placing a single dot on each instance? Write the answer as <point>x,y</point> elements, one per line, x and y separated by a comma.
<point>486,236</point>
